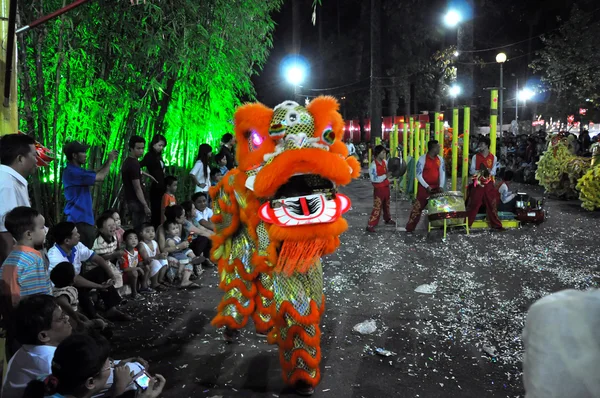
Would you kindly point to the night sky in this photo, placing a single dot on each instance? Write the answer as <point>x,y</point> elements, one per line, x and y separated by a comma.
<point>495,24</point>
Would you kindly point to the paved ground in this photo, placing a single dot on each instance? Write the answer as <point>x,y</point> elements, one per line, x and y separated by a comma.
<point>462,340</point>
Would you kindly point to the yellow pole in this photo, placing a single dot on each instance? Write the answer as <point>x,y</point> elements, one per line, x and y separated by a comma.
<point>405,151</point>
<point>393,142</point>
<point>436,126</point>
<point>422,140</point>
<point>493,119</point>
<point>416,134</point>
<point>442,135</point>
<point>465,151</point>
<point>9,119</point>
<point>370,157</point>
<point>411,139</point>
<point>396,140</point>
<point>377,140</point>
<point>454,147</point>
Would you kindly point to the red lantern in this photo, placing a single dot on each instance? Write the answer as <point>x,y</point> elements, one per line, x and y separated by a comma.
<point>582,111</point>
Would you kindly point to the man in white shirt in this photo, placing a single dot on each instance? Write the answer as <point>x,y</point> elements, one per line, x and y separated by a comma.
<point>40,327</point>
<point>18,161</point>
<point>69,248</point>
<point>351,148</point>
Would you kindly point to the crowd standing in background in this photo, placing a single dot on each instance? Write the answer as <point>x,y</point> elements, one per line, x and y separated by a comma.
<point>62,289</point>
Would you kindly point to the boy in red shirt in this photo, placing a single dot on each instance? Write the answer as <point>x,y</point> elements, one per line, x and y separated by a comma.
<point>168,198</point>
<point>484,191</point>
<point>381,189</point>
<point>431,174</point>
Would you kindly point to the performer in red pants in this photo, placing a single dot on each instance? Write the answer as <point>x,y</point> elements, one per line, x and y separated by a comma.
<point>381,189</point>
<point>431,174</point>
<point>483,168</point>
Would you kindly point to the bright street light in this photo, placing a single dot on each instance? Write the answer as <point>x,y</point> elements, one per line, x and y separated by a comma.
<point>452,18</point>
<point>501,58</point>
<point>455,91</point>
<point>525,94</point>
<point>456,53</point>
<point>295,74</point>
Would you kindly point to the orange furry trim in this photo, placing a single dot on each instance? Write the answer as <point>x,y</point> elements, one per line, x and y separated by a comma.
<point>260,263</point>
<point>262,326</point>
<point>245,311</point>
<point>220,321</point>
<point>308,232</point>
<point>302,375</point>
<point>311,160</point>
<point>263,291</point>
<point>355,164</point>
<point>299,256</point>
<point>252,118</point>
<point>313,318</point>
<point>238,284</point>
<point>297,330</point>
<point>325,112</point>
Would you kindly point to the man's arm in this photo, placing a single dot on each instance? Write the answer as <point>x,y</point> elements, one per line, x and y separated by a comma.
<point>80,281</point>
<point>442,173</point>
<point>494,166</point>
<point>207,224</point>
<point>473,168</point>
<point>420,167</point>
<point>98,260</point>
<point>137,187</point>
<point>373,174</point>
<point>103,171</point>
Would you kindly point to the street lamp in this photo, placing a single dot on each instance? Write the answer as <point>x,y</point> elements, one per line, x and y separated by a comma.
<point>295,70</point>
<point>452,18</point>
<point>524,95</point>
<point>501,59</point>
<point>454,92</point>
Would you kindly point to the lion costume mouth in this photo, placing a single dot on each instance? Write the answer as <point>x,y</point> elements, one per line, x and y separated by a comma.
<point>304,200</point>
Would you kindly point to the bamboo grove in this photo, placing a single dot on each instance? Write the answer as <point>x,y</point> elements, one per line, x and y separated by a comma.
<point>108,70</point>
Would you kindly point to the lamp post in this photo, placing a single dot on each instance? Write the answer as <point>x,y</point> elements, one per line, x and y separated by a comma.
<point>501,59</point>
<point>295,75</point>
<point>452,18</point>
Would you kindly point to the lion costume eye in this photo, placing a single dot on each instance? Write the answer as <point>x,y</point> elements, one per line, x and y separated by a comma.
<point>328,136</point>
<point>255,140</point>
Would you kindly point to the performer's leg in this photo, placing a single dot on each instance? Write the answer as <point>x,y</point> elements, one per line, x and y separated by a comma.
<point>237,304</point>
<point>387,216</point>
<point>475,200</point>
<point>299,304</point>
<point>376,213</point>
<point>490,198</point>
<point>263,321</point>
<point>418,206</point>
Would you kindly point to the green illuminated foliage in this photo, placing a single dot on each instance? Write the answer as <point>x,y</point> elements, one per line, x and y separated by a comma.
<point>109,70</point>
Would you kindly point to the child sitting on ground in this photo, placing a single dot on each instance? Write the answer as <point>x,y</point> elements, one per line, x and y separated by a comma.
<point>508,200</point>
<point>132,273</point>
<point>183,254</point>
<point>150,253</point>
<point>119,231</point>
<point>168,198</point>
<point>63,278</point>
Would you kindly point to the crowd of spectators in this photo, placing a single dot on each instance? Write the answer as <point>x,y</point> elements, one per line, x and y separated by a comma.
<point>62,289</point>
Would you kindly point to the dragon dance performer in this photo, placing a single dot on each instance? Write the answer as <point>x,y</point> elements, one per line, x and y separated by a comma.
<point>483,169</point>
<point>431,174</point>
<point>275,215</point>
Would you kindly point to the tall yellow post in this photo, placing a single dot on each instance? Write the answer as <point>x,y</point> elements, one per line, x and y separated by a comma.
<point>9,120</point>
<point>393,142</point>
<point>436,126</point>
<point>454,147</point>
<point>417,135</point>
<point>423,140</point>
<point>493,119</point>
<point>442,134</point>
<point>411,139</point>
<point>377,140</point>
<point>465,151</point>
<point>405,151</point>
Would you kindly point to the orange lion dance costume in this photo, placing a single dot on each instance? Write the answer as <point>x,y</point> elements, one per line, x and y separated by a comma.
<point>275,215</point>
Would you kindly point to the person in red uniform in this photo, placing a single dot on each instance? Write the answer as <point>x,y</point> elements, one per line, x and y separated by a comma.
<point>381,189</point>
<point>484,191</point>
<point>431,174</point>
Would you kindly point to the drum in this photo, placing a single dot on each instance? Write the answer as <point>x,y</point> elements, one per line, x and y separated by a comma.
<point>446,205</point>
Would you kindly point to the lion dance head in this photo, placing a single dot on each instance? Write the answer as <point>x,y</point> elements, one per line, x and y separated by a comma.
<point>295,160</point>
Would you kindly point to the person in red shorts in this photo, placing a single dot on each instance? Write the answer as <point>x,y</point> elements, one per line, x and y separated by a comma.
<point>483,166</point>
<point>431,174</point>
<point>379,175</point>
